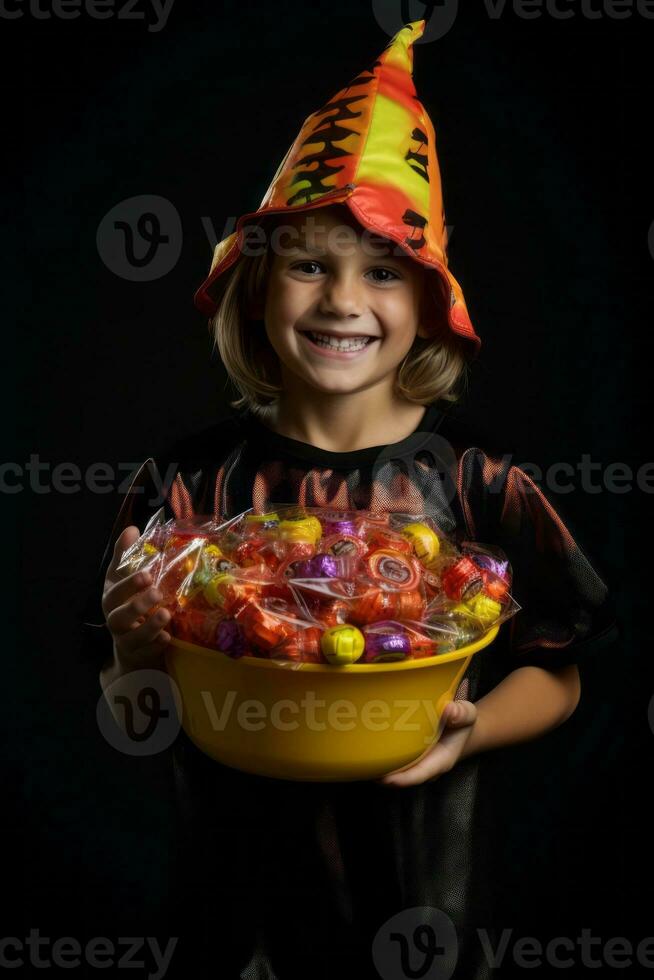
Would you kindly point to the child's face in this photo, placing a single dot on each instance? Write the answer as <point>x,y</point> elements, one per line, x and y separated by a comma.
<point>330,277</point>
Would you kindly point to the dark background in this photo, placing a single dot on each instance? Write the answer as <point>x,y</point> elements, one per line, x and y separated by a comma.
<point>541,129</point>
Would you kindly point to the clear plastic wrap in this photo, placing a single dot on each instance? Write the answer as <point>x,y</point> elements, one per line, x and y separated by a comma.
<point>305,584</point>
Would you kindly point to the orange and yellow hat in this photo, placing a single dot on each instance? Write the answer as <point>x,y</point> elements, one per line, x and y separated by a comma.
<point>373,148</point>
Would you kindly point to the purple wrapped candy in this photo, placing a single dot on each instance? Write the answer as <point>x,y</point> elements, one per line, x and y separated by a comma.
<point>499,568</point>
<point>230,638</point>
<point>320,566</point>
<point>386,647</point>
<point>340,527</point>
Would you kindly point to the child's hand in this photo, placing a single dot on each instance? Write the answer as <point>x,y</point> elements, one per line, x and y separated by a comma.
<point>127,602</point>
<point>460,718</point>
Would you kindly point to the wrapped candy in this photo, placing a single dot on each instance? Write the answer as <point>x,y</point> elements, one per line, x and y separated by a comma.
<point>230,638</point>
<point>324,565</point>
<point>382,538</point>
<point>311,585</point>
<point>300,530</point>
<point>342,644</point>
<point>392,640</point>
<point>379,603</point>
<point>264,629</point>
<point>301,645</point>
<point>394,570</point>
<point>147,551</point>
<point>462,579</point>
<point>198,625</point>
<point>340,543</point>
<point>424,542</point>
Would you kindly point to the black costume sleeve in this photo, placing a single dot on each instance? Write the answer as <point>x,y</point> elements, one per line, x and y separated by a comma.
<point>567,611</point>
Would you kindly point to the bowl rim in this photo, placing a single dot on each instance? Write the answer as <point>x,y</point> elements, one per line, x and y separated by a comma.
<point>261,663</point>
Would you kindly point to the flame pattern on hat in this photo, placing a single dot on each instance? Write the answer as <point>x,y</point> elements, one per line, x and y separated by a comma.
<point>372,147</point>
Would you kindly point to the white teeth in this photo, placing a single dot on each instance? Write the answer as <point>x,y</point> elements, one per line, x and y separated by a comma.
<point>346,343</point>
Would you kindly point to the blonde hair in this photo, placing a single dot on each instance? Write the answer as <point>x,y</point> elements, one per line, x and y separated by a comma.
<point>433,369</point>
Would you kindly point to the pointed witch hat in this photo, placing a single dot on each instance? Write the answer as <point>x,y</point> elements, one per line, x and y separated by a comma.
<point>373,148</point>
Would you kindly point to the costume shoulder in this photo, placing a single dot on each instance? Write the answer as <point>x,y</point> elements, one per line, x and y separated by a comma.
<point>567,607</point>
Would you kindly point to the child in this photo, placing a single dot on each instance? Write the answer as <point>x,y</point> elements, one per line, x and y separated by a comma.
<point>347,335</point>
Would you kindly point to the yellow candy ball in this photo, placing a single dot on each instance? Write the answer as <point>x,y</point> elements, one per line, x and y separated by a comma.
<point>261,518</point>
<point>424,542</point>
<point>214,592</point>
<point>484,608</point>
<point>342,645</point>
<point>306,529</point>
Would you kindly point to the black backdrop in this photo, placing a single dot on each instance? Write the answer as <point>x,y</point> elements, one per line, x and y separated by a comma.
<point>541,138</point>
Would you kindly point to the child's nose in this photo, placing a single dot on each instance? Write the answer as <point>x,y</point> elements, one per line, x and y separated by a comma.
<point>343,295</point>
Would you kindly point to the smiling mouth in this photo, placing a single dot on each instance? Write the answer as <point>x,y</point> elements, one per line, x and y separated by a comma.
<point>338,342</point>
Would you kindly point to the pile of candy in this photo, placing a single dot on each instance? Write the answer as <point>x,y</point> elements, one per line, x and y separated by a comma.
<point>313,585</point>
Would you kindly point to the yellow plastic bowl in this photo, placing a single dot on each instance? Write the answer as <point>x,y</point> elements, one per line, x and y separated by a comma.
<point>314,722</point>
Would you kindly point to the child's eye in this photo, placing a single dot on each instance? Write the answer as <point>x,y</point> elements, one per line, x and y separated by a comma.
<point>386,272</point>
<point>301,266</point>
<point>309,268</point>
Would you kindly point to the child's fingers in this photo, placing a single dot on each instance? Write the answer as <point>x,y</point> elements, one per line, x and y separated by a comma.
<point>460,713</point>
<point>122,590</point>
<point>124,618</point>
<point>126,538</point>
<point>141,637</point>
<point>149,652</point>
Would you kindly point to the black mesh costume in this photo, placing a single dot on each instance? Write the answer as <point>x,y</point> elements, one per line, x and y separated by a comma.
<point>307,873</point>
